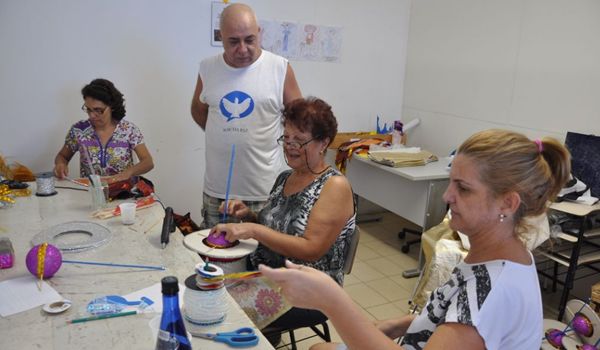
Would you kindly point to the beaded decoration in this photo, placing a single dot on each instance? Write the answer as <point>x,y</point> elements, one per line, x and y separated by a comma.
<point>41,256</point>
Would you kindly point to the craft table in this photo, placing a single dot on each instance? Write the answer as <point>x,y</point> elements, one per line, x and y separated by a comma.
<point>135,244</point>
<point>414,193</point>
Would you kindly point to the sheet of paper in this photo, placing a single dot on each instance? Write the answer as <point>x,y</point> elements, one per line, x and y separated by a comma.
<point>153,293</point>
<point>21,294</point>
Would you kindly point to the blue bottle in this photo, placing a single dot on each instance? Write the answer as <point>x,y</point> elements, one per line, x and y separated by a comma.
<point>171,334</point>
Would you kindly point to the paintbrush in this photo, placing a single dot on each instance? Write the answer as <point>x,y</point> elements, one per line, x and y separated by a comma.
<point>225,206</point>
<point>220,237</point>
<point>114,265</point>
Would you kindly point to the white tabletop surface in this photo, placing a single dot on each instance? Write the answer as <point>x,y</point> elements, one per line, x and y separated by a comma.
<point>135,244</point>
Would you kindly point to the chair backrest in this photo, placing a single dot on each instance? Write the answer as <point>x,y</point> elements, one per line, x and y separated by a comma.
<point>585,159</point>
<point>324,334</point>
<point>351,252</point>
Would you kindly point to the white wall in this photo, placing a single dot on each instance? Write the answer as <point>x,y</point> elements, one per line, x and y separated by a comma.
<point>527,65</point>
<point>150,49</point>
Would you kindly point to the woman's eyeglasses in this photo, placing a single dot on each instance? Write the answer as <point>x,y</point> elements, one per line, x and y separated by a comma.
<point>98,111</point>
<point>292,144</point>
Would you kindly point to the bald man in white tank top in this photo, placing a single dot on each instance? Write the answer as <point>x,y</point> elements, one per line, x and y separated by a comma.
<point>238,101</point>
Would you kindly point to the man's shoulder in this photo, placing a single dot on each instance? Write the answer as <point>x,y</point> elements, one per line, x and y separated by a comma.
<point>211,60</point>
<point>273,56</point>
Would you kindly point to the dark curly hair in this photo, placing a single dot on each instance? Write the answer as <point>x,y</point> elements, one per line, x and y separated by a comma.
<point>105,91</point>
<point>313,115</point>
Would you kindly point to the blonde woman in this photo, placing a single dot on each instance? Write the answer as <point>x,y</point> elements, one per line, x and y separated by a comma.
<point>492,300</point>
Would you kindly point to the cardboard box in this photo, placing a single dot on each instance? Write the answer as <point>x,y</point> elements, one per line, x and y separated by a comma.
<point>342,137</point>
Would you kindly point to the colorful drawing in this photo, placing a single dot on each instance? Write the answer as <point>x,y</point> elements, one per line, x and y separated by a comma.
<point>296,41</point>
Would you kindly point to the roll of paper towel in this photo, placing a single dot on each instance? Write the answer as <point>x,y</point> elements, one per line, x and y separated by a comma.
<point>411,124</point>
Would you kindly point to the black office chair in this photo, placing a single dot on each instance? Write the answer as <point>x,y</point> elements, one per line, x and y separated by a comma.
<point>323,333</point>
<point>577,248</point>
<point>406,246</point>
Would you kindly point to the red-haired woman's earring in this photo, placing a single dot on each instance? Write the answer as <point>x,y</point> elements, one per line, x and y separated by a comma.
<point>502,216</point>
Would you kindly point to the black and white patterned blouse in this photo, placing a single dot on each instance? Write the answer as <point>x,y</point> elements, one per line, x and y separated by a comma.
<point>290,215</point>
<point>500,298</point>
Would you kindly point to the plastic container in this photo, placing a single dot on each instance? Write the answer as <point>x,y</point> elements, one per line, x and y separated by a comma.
<point>7,253</point>
<point>99,192</point>
<point>397,133</point>
<point>102,306</point>
<point>127,213</point>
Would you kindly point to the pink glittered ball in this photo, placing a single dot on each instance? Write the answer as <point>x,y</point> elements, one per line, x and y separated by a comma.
<point>554,337</point>
<point>52,261</point>
<point>586,347</point>
<point>582,325</point>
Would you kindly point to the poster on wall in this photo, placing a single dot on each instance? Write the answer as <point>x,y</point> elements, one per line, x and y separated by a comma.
<point>302,42</point>
<point>215,32</point>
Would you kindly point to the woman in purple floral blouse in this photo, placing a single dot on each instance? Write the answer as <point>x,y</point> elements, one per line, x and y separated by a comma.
<point>105,141</point>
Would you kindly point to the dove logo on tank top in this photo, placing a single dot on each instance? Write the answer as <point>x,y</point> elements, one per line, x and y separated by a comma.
<point>236,105</point>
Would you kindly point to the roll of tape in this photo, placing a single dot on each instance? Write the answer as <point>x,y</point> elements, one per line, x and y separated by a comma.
<point>209,270</point>
<point>45,184</point>
<point>57,306</point>
<point>204,307</point>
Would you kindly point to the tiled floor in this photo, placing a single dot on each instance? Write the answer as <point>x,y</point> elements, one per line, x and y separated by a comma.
<point>376,283</point>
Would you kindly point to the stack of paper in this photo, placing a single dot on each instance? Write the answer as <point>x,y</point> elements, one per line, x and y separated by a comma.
<point>402,157</point>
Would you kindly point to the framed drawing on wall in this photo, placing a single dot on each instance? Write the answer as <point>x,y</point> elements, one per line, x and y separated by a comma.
<point>215,33</point>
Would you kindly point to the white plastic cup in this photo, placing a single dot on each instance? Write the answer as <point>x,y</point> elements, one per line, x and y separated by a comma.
<point>127,213</point>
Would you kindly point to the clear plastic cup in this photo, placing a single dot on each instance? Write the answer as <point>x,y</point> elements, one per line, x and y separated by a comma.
<point>127,213</point>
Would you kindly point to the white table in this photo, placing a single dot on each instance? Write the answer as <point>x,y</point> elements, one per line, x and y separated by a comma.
<point>414,193</point>
<point>136,244</point>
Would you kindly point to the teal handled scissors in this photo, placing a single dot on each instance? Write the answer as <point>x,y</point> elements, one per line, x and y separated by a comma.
<point>240,338</point>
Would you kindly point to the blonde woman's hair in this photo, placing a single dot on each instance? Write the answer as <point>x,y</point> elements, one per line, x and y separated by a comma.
<point>509,161</point>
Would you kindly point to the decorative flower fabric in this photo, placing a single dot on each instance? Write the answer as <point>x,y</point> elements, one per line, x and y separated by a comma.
<point>260,300</point>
